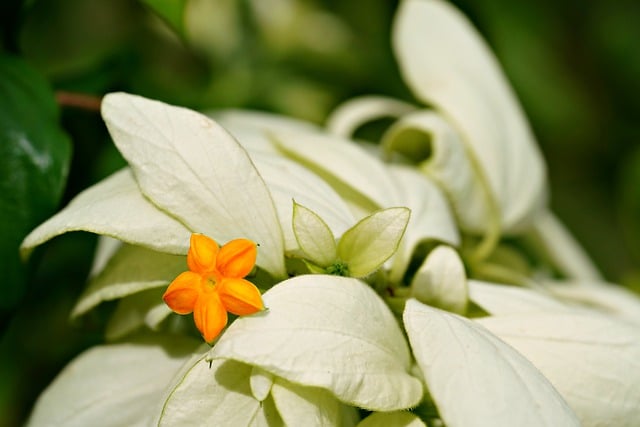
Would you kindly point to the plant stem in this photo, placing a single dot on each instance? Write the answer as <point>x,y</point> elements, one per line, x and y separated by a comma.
<point>78,100</point>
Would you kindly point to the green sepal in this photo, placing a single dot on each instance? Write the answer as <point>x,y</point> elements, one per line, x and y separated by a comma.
<point>373,240</point>
<point>314,236</point>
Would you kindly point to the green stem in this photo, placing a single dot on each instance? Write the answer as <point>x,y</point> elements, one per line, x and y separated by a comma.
<point>491,237</point>
<point>501,274</point>
<point>489,240</point>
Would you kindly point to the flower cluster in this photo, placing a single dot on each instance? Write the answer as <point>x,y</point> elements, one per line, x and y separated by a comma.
<point>387,268</point>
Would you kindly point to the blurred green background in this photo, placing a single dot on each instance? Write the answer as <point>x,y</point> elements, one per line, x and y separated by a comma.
<point>575,66</point>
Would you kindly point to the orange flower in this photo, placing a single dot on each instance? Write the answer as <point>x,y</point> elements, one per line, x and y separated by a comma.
<point>214,284</point>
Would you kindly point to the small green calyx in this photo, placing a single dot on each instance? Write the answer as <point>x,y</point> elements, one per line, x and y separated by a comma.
<point>338,268</point>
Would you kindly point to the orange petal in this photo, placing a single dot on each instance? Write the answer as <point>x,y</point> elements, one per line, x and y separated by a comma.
<point>182,293</point>
<point>237,258</point>
<point>240,296</point>
<point>202,254</point>
<point>209,315</point>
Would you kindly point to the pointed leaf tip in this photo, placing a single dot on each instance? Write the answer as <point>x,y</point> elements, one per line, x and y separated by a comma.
<point>313,236</point>
<point>373,240</point>
<point>192,168</point>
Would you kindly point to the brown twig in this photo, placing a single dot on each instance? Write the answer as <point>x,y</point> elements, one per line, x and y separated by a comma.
<point>78,100</point>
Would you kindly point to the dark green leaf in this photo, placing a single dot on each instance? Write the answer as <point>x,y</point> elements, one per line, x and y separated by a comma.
<point>34,160</point>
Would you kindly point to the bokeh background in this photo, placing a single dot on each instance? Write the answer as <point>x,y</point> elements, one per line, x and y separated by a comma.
<point>575,66</point>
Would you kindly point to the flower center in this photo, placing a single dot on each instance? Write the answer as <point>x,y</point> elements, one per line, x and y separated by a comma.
<point>212,280</point>
<point>338,268</point>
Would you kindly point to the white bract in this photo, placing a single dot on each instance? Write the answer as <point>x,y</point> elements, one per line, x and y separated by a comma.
<point>476,118</point>
<point>110,384</point>
<point>115,207</point>
<point>474,377</point>
<point>329,332</point>
<point>363,181</point>
<point>131,269</point>
<point>441,281</point>
<point>448,65</point>
<point>474,141</point>
<point>190,148</point>
<point>587,357</point>
<point>416,333</point>
<point>397,419</point>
